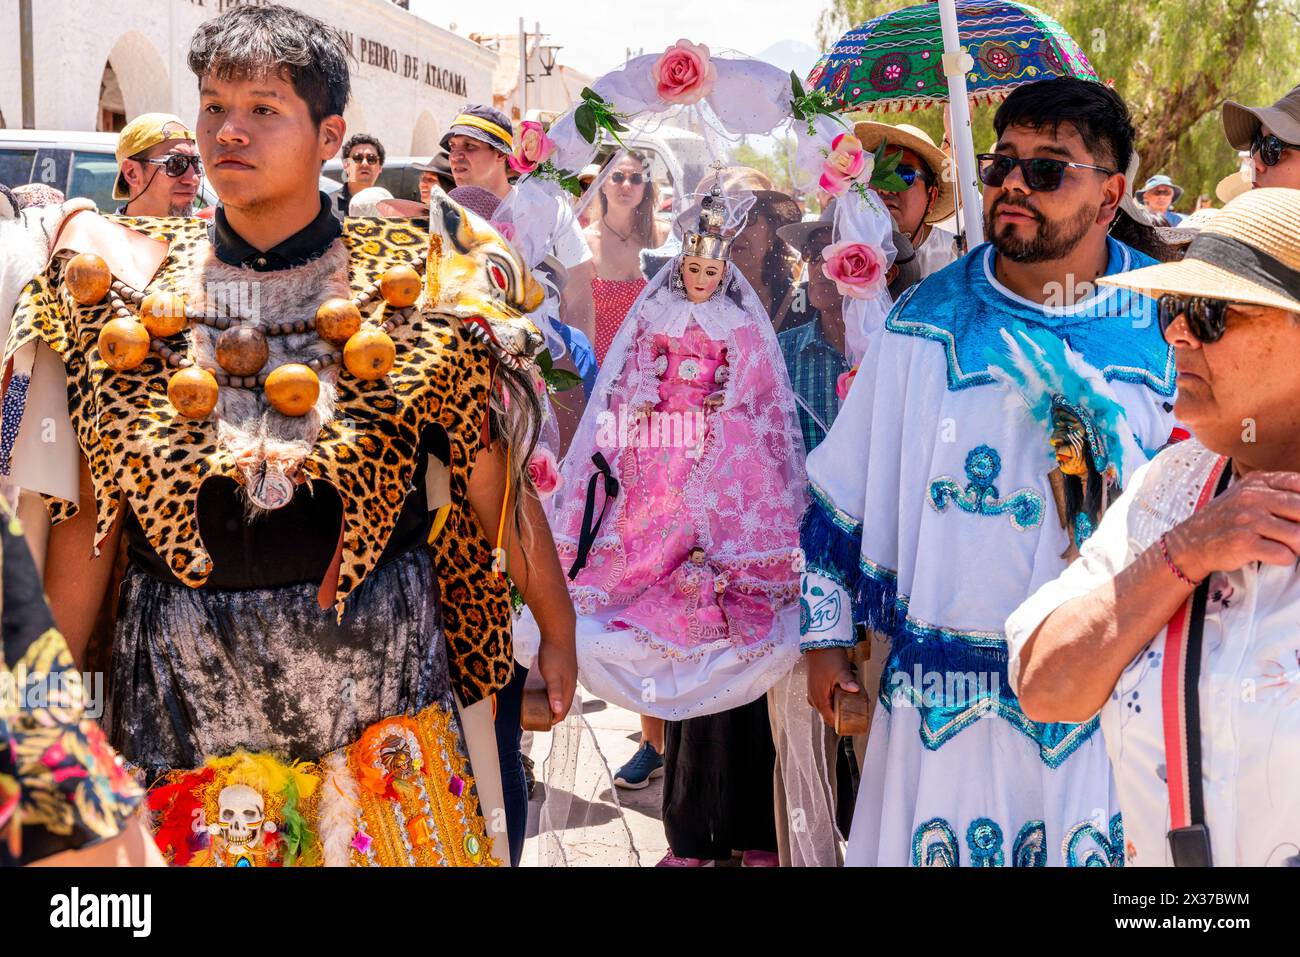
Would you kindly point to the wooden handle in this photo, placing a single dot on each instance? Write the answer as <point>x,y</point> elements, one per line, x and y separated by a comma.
<point>535,712</point>
<point>852,712</point>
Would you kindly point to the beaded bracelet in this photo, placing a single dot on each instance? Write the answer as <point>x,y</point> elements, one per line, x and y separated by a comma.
<point>1178,572</point>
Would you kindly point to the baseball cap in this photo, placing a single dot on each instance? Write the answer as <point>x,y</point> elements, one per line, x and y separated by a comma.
<point>143,132</point>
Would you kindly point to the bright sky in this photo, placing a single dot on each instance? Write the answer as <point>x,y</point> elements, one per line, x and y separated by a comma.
<point>595,35</point>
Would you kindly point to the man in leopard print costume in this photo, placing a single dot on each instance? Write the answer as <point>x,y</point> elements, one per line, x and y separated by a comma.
<point>291,579</point>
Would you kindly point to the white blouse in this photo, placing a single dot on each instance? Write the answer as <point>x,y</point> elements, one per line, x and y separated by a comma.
<point>1249,682</point>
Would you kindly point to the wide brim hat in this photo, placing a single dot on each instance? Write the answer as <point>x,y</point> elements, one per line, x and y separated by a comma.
<point>779,206</point>
<point>1283,118</point>
<point>904,136</point>
<point>1249,252</point>
<point>1232,186</point>
<point>1188,229</point>
<point>439,164</point>
<point>484,124</point>
<point>1161,180</point>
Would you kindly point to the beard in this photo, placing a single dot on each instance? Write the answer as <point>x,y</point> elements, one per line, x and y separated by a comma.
<point>181,209</point>
<point>1054,239</point>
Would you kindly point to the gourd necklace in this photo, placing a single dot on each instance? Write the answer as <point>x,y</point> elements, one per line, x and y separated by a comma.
<point>367,350</point>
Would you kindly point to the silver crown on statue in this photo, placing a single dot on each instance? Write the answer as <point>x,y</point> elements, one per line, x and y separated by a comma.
<point>709,240</point>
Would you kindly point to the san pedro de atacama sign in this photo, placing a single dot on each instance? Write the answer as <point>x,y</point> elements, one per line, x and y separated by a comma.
<point>381,55</point>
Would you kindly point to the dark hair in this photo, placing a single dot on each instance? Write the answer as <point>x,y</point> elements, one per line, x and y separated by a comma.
<point>1094,109</point>
<point>251,42</point>
<point>643,217</point>
<point>359,139</point>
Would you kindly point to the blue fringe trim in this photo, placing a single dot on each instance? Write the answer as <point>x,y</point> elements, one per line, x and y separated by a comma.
<point>836,552</point>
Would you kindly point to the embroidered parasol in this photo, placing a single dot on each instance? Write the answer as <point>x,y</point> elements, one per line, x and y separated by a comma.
<point>895,62</point>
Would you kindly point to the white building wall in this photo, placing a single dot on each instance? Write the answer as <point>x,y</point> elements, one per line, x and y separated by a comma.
<point>147,42</point>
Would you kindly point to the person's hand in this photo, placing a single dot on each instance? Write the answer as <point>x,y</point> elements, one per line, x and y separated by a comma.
<point>828,669</point>
<point>557,661</point>
<point>1255,520</point>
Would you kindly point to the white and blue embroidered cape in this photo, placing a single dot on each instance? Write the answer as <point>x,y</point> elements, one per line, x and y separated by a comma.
<point>932,519</point>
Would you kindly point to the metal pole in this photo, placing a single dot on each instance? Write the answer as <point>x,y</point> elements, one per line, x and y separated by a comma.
<point>27,66</point>
<point>956,61</point>
<point>523,71</point>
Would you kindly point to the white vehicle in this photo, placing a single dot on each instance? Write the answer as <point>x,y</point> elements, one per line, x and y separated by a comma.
<point>78,164</point>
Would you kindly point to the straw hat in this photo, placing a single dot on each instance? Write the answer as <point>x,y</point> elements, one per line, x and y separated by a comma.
<point>1188,229</point>
<point>904,136</point>
<point>1232,186</point>
<point>1249,252</point>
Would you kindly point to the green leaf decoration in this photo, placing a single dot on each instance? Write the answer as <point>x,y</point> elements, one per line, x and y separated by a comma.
<point>545,362</point>
<point>893,183</point>
<point>584,118</point>
<point>561,380</point>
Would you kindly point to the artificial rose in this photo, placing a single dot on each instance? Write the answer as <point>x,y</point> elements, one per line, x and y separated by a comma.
<point>848,163</point>
<point>684,74</point>
<point>844,382</point>
<point>532,147</point>
<point>858,270</point>
<point>543,473</point>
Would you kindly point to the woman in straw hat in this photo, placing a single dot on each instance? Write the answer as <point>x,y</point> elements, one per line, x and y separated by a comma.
<point>1177,625</point>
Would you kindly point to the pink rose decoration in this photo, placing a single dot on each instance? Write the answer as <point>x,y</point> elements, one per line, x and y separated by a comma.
<point>858,270</point>
<point>507,230</point>
<point>684,74</point>
<point>544,473</point>
<point>532,147</point>
<point>843,383</point>
<point>847,164</point>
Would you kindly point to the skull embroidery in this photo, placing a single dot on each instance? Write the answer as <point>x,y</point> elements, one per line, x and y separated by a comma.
<point>241,818</point>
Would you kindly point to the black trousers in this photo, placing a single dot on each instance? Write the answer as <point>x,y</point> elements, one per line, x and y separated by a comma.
<point>718,783</point>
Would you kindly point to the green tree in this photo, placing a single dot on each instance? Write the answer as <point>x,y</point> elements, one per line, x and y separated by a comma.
<point>1173,61</point>
<point>777,164</point>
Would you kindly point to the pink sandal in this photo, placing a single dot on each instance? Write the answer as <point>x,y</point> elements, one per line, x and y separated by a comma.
<point>672,860</point>
<point>759,859</point>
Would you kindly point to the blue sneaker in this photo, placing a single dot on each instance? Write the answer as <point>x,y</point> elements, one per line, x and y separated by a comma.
<point>647,763</point>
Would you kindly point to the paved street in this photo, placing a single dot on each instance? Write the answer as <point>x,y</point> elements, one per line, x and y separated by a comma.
<point>606,839</point>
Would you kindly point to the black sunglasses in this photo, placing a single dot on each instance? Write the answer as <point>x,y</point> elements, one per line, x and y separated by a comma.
<point>636,179</point>
<point>1041,175</point>
<point>175,164</point>
<point>1270,148</point>
<point>370,159</point>
<point>1206,318</point>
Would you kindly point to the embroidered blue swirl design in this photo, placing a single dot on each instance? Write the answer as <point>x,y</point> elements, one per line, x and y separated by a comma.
<point>935,845</point>
<point>1107,852</point>
<point>984,838</point>
<point>980,497</point>
<point>1030,849</point>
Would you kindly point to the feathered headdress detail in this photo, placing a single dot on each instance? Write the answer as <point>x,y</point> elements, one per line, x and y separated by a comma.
<point>1046,375</point>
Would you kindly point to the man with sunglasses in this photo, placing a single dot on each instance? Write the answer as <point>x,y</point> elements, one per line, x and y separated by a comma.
<point>363,161</point>
<point>159,169</point>
<point>930,196</point>
<point>934,508</point>
<point>1272,135</point>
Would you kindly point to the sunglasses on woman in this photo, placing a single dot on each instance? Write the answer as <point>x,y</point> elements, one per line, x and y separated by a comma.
<point>1041,175</point>
<point>175,164</point>
<point>908,174</point>
<point>636,179</point>
<point>1270,148</point>
<point>1206,318</point>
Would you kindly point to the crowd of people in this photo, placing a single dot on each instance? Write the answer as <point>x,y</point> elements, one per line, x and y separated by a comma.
<point>296,473</point>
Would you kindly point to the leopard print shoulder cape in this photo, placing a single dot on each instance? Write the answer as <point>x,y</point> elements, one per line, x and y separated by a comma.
<point>139,447</point>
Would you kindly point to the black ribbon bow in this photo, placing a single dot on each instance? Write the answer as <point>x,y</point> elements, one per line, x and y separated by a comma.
<point>589,529</point>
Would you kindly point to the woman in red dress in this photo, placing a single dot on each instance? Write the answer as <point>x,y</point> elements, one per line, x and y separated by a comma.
<point>625,225</point>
